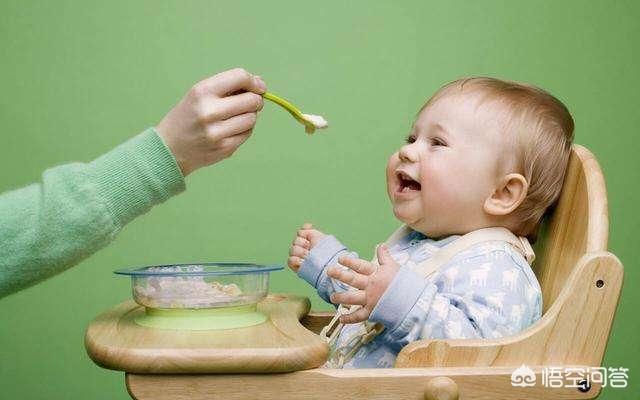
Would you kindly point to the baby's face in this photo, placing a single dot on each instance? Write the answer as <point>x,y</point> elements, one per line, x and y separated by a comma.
<point>439,180</point>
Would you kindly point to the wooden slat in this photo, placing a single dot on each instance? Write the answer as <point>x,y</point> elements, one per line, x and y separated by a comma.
<point>331,384</point>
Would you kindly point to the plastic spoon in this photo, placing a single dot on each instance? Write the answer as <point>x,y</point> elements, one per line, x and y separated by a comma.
<point>310,122</point>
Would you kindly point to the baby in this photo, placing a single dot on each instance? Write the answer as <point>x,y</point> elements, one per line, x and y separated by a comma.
<point>482,153</point>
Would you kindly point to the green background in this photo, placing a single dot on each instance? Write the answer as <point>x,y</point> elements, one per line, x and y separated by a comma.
<point>77,78</point>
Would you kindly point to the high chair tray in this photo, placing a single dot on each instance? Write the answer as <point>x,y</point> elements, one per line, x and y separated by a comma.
<point>281,344</point>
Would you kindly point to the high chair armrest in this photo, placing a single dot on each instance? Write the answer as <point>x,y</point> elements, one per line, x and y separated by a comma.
<point>574,330</point>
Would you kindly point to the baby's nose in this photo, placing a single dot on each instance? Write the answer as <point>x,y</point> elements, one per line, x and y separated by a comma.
<point>406,154</point>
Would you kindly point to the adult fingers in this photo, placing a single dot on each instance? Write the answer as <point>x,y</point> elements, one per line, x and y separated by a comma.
<point>232,126</point>
<point>230,106</point>
<point>351,297</point>
<point>347,276</point>
<point>233,80</point>
<point>229,145</point>
<point>358,265</point>
<point>298,251</point>
<point>359,315</point>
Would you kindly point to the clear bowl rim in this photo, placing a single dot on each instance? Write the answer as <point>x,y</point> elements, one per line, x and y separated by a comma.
<point>232,268</point>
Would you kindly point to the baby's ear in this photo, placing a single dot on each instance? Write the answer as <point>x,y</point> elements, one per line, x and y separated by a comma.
<point>510,192</point>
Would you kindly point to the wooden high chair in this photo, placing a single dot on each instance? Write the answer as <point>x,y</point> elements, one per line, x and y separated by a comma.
<point>581,283</point>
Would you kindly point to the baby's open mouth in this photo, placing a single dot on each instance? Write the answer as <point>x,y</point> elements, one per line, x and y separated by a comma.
<point>407,183</point>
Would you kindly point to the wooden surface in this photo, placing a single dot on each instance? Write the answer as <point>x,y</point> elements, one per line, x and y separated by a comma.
<point>354,384</point>
<point>578,314</point>
<point>579,225</point>
<point>281,344</point>
<point>316,320</point>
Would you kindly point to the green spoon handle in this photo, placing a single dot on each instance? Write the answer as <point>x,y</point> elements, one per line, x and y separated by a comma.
<point>297,114</point>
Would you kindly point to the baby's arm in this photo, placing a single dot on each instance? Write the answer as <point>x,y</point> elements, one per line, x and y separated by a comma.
<point>483,296</point>
<point>311,253</point>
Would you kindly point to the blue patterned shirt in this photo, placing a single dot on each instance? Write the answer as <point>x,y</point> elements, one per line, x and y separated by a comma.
<point>486,291</point>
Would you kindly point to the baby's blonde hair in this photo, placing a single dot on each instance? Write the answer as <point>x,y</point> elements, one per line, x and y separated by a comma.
<point>542,133</point>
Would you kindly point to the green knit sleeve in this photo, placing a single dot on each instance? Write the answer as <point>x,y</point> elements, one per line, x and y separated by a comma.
<point>79,208</point>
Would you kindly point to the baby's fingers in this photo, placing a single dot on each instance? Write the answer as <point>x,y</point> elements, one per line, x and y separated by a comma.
<point>358,265</point>
<point>294,263</point>
<point>298,251</point>
<point>303,233</point>
<point>384,257</point>
<point>302,242</point>
<point>349,277</point>
<point>359,315</point>
<point>351,297</point>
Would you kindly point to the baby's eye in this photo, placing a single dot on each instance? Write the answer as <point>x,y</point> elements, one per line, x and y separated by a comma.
<point>410,139</point>
<point>437,142</point>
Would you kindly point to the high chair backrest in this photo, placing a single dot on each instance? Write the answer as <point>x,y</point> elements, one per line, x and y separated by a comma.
<point>579,224</point>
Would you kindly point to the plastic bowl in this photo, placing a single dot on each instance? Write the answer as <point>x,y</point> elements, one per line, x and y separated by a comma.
<point>199,286</point>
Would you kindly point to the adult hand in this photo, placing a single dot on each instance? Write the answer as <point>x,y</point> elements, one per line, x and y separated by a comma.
<point>213,119</point>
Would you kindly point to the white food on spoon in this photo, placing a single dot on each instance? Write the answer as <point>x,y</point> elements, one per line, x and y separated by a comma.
<point>317,120</point>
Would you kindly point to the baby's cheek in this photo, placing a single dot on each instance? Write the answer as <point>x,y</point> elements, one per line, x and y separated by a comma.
<point>440,191</point>
<point>436,199</point>
<point>434,179</point>
<point>392,164</point>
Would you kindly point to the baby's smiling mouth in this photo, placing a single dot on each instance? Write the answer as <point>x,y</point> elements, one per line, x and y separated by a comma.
<point>406,183</point>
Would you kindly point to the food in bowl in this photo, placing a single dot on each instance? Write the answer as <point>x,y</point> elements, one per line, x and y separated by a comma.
<point>196,286</point>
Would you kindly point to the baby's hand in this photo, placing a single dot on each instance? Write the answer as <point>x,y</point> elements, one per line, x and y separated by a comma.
<point>213,119</point>
<point>306,239</point>
<point>370,280</point>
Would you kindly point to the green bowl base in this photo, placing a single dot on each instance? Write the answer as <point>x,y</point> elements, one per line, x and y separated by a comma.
<point>201,319</point>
